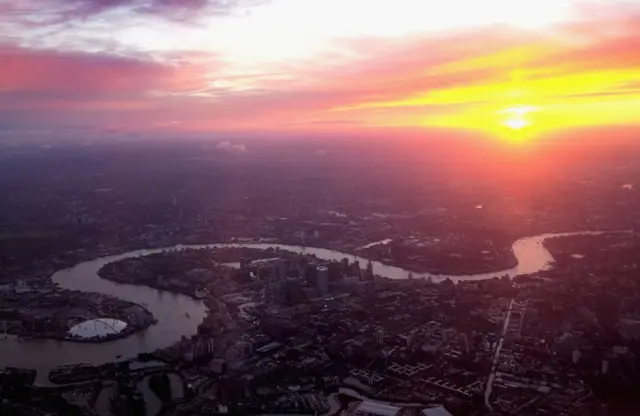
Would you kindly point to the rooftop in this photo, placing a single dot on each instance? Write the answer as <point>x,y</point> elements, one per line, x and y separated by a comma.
<point>372,408</point>
<point>95,328</point>
<point>436,411</point>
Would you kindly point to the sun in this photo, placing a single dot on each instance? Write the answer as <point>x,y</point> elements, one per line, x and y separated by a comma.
<point>516,123</point>
<point>506,122</point>
<point>517,116</point>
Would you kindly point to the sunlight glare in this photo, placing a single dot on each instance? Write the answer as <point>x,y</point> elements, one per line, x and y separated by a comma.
<point>294,29</point>
<point>517,117</point>
<point>516,123</point>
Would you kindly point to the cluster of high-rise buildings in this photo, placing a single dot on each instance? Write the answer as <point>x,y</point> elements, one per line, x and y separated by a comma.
<point>293,280</point>
<point>202,348</point>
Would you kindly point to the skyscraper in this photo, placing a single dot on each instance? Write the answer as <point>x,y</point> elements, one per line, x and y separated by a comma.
<point>243,264</point>
<point>311,275</point>
<point>344,266</point>
<point>322,280</point>
<point>354,269</point>
<point>368,274</point>
<point>282,269</point>
<point>274,273</point>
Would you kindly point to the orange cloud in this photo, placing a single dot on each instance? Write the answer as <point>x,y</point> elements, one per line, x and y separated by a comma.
<point>570,84</point>
<point>498,80</point>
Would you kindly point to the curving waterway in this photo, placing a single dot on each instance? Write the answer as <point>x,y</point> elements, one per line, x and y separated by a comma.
<point>179,315</point>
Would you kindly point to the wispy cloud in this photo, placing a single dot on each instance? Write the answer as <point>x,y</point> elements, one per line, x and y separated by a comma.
<point>135,63</point>
<point>227,146</point>
<point>52,11</point>
<point>45,77</point>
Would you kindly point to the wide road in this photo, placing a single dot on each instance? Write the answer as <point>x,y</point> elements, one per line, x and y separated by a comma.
<point>496,357</point>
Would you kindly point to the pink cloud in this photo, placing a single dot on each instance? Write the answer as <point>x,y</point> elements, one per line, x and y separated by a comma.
<point>51,87</point>
<point>227,146</point>
<point>38,78</point>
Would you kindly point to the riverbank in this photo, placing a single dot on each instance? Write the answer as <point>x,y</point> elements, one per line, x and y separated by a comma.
<point>169,309</point>
<point>594,251</point>
<point>172,309</point>
<point>442,256</point>
<point>51,312</point>
<point>506,264</point>
<point>185,271</point>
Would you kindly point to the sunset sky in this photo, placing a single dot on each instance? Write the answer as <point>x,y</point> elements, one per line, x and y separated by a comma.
<point>507,68</point>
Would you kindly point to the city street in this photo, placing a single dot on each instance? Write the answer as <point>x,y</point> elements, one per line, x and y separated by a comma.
<point>494,363</point>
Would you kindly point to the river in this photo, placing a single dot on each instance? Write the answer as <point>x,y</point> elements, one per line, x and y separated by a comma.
<point>171,309</point>
<point>152,401</point>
